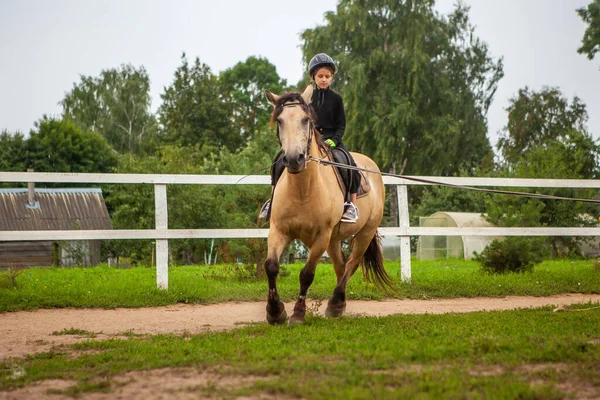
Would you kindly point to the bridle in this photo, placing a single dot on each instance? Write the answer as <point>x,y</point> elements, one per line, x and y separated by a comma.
<point>311,128</point>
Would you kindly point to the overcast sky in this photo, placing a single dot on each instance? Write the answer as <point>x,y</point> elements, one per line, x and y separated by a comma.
<point>47,45</point>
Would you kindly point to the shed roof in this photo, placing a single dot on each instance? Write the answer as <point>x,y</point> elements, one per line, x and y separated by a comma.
<point>464,219</point>
<point>55,209</point>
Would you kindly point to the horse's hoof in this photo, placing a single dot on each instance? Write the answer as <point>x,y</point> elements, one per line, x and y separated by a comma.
<point>277,320</point>
<point>296,319</point>
<point>335,310</point>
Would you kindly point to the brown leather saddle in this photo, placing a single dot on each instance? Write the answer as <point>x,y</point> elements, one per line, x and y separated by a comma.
<point>343,174</point>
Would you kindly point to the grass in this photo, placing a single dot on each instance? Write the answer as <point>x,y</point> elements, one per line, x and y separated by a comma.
<point>8,278</point>
<point>105,287</point>
<point>74,331</point>
<point>526,354</point>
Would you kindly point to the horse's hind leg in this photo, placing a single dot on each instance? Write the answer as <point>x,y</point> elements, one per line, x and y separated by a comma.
<point>307,275</point>
<point>275,309</point>
<point>337,258</point>
<point>337,303</point>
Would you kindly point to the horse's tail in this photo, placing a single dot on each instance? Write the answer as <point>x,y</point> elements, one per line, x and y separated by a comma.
<point>373,269</point>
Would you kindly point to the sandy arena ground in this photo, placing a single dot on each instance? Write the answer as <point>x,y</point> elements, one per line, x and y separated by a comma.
<point>28,332</point>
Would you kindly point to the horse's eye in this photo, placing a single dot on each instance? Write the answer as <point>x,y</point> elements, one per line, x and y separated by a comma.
<point>304,121</point>
<point>279,121</point>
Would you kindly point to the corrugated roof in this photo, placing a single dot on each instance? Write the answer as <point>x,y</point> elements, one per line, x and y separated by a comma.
<point>56,209</point>
<point>58,190</point>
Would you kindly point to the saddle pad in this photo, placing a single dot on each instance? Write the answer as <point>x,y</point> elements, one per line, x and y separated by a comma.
<point>365,186</point>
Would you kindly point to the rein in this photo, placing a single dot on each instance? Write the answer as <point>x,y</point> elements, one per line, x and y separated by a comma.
<point>421,180</point>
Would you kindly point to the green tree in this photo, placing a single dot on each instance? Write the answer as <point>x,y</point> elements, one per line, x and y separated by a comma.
<point>61,146</point>
<point>194,112</point>
<point>416,85</point>
<point>546,138</point>
<point>590,44</point>
<point>538,119</point>
<point>115,104</point>
<point>190,206</point>
<point>243,88</point>
<point>12,151</point>
<point>551,162</point>
<point>442,198</point>
<point>242,203</point>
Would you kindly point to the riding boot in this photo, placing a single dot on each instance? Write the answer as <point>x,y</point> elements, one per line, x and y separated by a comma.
<point>350,213</point>
<point>264,211</point>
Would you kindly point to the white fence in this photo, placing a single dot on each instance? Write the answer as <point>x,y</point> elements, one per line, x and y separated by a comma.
<point>162,233</point>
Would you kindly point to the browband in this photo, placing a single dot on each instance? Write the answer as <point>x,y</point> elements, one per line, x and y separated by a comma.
<point>292,104</point>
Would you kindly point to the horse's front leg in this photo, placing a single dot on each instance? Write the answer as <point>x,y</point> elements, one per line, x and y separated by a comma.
<point>307,275</point>
<point>275,309</point>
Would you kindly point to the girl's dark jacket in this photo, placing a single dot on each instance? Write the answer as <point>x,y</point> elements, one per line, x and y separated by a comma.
<point>331,119</point>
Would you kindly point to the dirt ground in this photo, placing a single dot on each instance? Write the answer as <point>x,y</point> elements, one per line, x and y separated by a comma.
<point>28,332</point>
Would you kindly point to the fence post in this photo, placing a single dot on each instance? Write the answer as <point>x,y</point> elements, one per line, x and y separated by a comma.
<point>162,245</point>
<point>404,223</point>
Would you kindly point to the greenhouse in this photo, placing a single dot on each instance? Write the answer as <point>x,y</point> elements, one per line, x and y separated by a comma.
<point>434,247</point>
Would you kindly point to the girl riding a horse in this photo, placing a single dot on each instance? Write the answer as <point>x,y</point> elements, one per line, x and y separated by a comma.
<point>308,205</point>
<point>331,123</point>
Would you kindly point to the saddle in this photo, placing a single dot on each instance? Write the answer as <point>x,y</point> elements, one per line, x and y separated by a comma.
<point>344,175</point>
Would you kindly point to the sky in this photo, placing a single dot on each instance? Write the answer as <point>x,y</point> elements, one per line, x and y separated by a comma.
<point>46,45</point>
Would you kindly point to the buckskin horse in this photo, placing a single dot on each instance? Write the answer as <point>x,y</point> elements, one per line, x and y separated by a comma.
<point>307,205</point>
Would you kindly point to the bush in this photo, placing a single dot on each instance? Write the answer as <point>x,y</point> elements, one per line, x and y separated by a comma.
<point>513,254</point>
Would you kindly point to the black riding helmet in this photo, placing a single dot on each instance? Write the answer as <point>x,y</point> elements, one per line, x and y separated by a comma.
<point>318,61</point>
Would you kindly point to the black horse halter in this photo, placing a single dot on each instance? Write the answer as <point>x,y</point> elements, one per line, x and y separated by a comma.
<point>310,129</point>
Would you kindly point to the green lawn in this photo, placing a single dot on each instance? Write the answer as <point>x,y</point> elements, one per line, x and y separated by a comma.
<point>107,287</point>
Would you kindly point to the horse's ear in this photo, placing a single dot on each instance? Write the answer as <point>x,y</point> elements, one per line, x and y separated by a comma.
<point>272,97</point>
<point>307,95</point>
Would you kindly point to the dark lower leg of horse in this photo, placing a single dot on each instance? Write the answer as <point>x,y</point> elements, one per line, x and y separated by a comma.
<point>275,309</point>
<point>337,303</point>
<point>306,279</point>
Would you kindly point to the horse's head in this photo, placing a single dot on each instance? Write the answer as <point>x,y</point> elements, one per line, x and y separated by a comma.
<point>295,124</point>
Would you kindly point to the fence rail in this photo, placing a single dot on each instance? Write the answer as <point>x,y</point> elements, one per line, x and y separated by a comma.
<point>162,234</point>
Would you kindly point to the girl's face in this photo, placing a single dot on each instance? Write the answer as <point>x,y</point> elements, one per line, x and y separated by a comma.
<point>323,77</point>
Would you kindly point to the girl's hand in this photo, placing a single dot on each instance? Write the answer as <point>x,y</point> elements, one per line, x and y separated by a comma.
<point>330,143</point>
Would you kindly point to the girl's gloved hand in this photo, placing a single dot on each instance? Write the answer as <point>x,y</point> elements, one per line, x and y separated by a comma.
<point>330,142</point>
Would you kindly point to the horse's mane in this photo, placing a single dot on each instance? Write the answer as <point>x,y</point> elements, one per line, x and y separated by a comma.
<point>296,97</point>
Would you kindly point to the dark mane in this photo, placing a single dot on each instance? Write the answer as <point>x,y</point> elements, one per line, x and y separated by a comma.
<point>295,97</point>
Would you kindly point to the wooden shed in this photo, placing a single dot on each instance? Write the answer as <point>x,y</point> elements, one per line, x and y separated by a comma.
<point>51,209</point>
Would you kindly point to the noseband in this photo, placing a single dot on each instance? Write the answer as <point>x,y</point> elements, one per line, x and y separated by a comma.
<point>310,130</point>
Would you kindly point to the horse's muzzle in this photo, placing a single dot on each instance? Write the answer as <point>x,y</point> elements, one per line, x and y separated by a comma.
<point>294,163</point>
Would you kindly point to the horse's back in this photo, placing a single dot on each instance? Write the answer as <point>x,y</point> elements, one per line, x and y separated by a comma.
<point>365,161</point>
